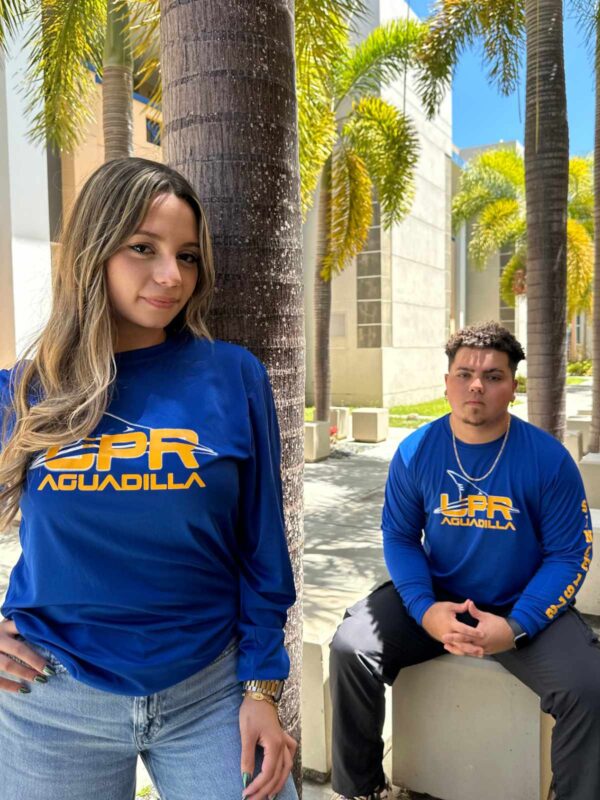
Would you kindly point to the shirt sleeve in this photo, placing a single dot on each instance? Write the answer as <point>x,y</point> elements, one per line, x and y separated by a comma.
<point>5,404</point>
<point>402,525</point>
<point>566,541</point>
<point>266,580</point>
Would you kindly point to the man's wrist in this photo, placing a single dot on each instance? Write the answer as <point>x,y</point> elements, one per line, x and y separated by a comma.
<point>520,636</point>
<point>261,689</point>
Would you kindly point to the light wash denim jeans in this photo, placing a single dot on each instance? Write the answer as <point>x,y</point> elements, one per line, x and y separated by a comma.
<point>68,741</point>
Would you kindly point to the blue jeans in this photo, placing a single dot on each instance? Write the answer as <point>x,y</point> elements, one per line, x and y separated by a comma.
<point>69,741</point>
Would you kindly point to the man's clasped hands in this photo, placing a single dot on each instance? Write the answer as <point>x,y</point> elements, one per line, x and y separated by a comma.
<point>492,634</point>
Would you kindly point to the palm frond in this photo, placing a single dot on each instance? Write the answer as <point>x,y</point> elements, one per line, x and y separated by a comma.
<point>66,42</point>
<point>351,211</point>
<point>145,38</point>
<point>587,14</point>
<point>387,142</point>
<point>492,175</point>
<point>501,223</point>
<point>13,14</point>
<point>581,191</point>
<point>317,134</point>
<point>379,60</point>
<point>513,280</point>
<point>322,29</point>
<point>456,24</point>
<point>580,268</point>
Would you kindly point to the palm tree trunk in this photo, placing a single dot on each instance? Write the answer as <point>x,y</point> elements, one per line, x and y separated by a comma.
<point>117,84</point>
<point>594,444</point>
<point>322,302</point>
<point>229,106</point>
<point>573,339</point>
<point>546,184</point>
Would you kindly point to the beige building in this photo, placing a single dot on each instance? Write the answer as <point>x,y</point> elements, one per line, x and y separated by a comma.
<point>390,308</point>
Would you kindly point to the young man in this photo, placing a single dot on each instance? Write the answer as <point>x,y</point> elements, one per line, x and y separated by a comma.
<point>487,537</point>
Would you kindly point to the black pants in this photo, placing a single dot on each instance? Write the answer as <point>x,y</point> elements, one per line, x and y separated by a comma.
<point>378,637</point>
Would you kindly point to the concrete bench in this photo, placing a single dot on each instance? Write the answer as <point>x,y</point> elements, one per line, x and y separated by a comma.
<point>589,466</point>
<point>588,597</point>
<point>316,441</point>
<point>574,444</point>
<point>466,729</point>
<point>370,424</point>
<point>339,417</point>
<point>583,424</point>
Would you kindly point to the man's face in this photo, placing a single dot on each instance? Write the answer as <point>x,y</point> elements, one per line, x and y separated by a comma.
<point>480,385</point>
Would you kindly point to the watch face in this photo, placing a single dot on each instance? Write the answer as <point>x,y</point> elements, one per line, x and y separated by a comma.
<point>521,640</point>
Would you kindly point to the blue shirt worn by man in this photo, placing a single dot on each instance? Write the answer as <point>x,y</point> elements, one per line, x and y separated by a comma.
<point>521,539</point>
<point>148,545</point>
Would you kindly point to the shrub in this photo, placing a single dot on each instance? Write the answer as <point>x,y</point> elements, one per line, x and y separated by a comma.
<point>579,368</point>
<point>521,384</point>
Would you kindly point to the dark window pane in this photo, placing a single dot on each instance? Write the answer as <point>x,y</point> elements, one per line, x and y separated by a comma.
<point>369,312</point>
<point>368,288</point>
<point>368,264</point>
<point>369,336</point>
<point>373,239</point>
<point>152,131</point>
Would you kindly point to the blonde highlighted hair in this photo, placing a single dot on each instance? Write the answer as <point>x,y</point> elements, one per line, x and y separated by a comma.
<point>61,388</point>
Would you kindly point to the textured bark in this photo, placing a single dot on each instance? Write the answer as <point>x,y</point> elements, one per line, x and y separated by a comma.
<point>595,427</point>
<point>117,85</point>
<point>229,111</point>
<point>546,184</point>
<point>322,303</point>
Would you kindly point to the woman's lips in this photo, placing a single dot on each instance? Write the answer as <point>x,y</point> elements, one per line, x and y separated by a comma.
<point>160,303</point>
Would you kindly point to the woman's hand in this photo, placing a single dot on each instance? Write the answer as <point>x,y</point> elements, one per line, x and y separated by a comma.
<point>259,725</point>
<point>31,670</point>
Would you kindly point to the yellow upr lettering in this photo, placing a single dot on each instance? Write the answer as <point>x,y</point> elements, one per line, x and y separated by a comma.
<point>184,449</point>
<point>76,463</point>
<point>120,445</point>
<point>500,504</point>
<point>476,502</point>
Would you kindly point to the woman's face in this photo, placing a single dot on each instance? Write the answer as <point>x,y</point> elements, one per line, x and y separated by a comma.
<point>153,275</point>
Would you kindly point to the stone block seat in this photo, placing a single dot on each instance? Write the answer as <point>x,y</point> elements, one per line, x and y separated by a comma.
<point>466,729</point>
<point>370,424</point>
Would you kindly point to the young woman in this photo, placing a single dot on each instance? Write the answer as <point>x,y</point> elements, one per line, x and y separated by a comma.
<point>154,582</point>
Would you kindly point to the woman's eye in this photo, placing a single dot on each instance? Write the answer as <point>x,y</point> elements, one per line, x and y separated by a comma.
<point>142,249</point>
<point>189,258</point>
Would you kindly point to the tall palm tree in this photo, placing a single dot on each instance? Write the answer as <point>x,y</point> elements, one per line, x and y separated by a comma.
<point>66,39</point>
<point>230,126</point>
<point>502,25</point>
<point>355,142</point>
<point>491,196</point>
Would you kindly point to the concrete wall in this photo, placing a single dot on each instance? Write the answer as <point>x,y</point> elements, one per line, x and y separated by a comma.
<point>26,262</point>
<point>396,298</point>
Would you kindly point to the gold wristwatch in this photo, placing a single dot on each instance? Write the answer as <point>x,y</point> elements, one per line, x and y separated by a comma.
<point>269,690</point>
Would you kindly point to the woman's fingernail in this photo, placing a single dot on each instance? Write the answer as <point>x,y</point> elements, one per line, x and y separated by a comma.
<point>48,670</point>
<point>24,690</point>
<point>40,679</point>
<point>245,779</point>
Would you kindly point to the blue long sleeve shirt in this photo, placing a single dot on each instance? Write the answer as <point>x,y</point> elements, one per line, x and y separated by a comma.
<point>148,545</point>
<point>520,539</point>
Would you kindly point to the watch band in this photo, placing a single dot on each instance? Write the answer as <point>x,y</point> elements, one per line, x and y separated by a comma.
<point>271,688</point>
<point>520,637</point>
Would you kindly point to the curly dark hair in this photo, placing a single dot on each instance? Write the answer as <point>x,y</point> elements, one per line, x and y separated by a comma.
<point>486,335</point>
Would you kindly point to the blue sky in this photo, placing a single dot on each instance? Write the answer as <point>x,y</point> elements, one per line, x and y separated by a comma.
<point>482,116</point>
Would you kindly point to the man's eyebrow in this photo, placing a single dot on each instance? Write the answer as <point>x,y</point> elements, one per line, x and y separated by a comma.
<point>142,232</point>
<point>485,371</point>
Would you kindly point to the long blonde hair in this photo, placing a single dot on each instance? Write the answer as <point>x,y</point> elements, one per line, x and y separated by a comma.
<point>61,387</point>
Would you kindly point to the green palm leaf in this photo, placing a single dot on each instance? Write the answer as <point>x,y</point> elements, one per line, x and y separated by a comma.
<point>380,59</point>
<point>490,176</point>
<point>145,38</point>
<point>580,268</point>
<point>581,191</point>
<point>321,31</point>
<point>500,224</point>
<point>66,40</point>
<point>317,133</point>
<point>387,142</point>
<point>12,14</point>
<point>456,24</point>
<point>351,211</point>
<point>514,278</point>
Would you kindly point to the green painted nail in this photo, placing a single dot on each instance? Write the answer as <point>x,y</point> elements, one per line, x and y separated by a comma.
<point>48,670</point>
<point>245,779</point>
<point>24,690</point>
<point>40,679</point>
